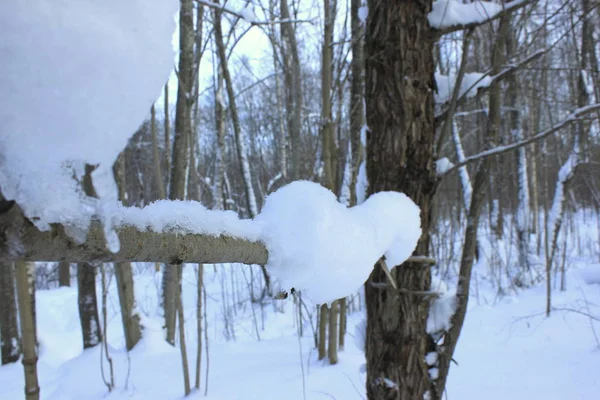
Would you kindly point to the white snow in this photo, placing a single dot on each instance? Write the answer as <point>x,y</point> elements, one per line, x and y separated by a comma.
<point>184,217</point>
<point>590,274</point>
<point>362,183</point>
<point>471,82</point>
<point>447,13</point>
<point>363,135</point>
<point>347,177</point>
<point>319,246</point>
<point>443,165</point>
<point>442,309</point>
<point>360,335</point>
<point>363,13</point>
<point>465,179</point>
<point>76,77</point>
<point>431,358</point>
<point>553,358</point>
<point>248,13</point>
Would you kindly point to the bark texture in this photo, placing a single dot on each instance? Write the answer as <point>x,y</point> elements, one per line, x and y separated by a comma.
<point>88,305</point>
<point>293,88</point>
<point>9,330</point>
<point>64,273</point>
<point>129,315</point>
<point>123,271</point>
<point>32,388</point>
<point>181,146</point>
<point>400,114</point>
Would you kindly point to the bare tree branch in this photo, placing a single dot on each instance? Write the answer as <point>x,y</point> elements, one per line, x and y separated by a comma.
<point>574,116</point>
<point>224,8</point>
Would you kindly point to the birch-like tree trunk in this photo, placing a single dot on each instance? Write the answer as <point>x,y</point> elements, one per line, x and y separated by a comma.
<point>28,342</point>
<point>523,222</point>
<point>10,348</point>
<point>181,145</point>
<point>240,142</point>
<point>32,296</point>
<point>293,88</point>
<point>88,305</point>
<point>64,273</point>
<point>86,285</point>
<point>576,156</point>
<point>219,158</point>
<point>357,99</point>
<point>123,271</point>
<point>445,349</point>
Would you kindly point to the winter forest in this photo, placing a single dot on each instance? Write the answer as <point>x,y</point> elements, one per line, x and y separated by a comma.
<point>300,199</point>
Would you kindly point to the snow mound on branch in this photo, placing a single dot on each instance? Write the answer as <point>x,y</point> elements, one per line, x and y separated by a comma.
<point>77,78</point>
<point>447,13</point>
<point>319,246</point>
<point>185,217</point>
<point>470,84</point>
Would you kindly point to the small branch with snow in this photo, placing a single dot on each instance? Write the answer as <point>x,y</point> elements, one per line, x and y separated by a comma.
<point>573,117</point>
<point>483,82</point>
<point>247,14</point>
<point>20,239</point>
<point>449,16</point>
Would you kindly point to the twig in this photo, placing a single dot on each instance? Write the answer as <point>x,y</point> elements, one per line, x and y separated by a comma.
<point>574,116</point>
<point>228,10</point>
<point>110,385</point>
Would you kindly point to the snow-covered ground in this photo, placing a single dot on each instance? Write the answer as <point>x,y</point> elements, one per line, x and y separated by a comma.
<point>508,348</point>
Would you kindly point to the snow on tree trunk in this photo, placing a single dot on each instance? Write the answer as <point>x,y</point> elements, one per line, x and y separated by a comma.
<point>465,180</point>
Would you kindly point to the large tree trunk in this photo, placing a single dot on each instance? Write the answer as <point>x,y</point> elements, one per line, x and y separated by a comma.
<point>88,305</point>
<point>9,330</point>
<point>400,115</point>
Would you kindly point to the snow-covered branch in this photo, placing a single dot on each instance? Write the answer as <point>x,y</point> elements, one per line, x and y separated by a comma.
<point>305,237</point>
<point>20,239</point>
<point>574,116</point>
<point>246,14</point>
<point>452,15</point>
<point>476,84</point>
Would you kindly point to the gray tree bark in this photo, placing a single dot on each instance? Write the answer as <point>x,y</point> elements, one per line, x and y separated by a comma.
<point>400,157</point>
<point>88,305</point>
<point>32,388</point>
<point>9,330</point>
<point>293,89</point>
<point>181,146</point>
<point>64,273</point>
